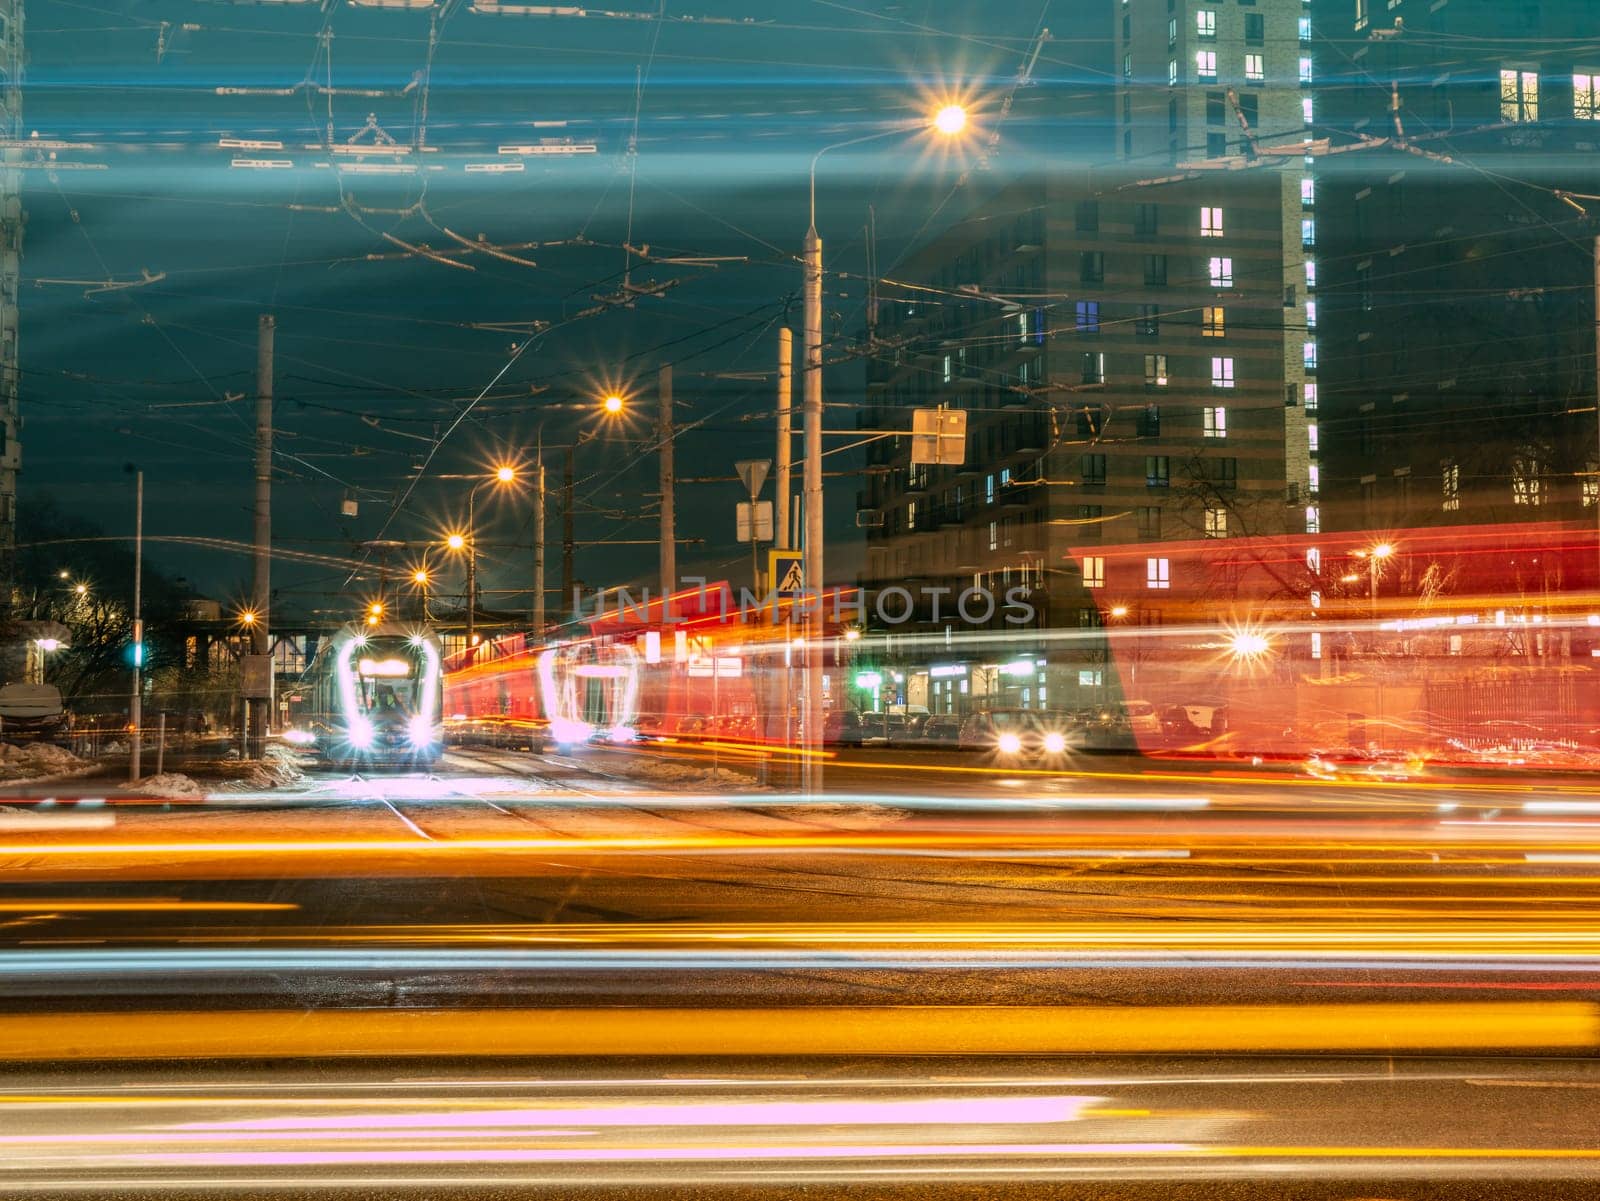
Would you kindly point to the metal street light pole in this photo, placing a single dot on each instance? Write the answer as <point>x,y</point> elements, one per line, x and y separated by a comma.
<point>538,543</point>
<point>782,531</point>
<point>136,701</point>
<point>472,567</point>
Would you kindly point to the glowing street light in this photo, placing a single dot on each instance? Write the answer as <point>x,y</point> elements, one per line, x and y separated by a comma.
<point>419,577</point>
<point>612,404</point>
<point>81,589</point>
<point>505,474</point>
<point>950,120</point>
<point>456,541</point>
<point>247,617</point>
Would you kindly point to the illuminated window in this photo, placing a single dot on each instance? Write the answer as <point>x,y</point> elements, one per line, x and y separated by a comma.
<point>1591,483</point>
<point>1305,65</point>
<point>1213,321</point>
<point>994,535</point>
<point>1090,677</point>
<point>1311,314</point>
<point>1157,573</point>
<point>1311,398</point>
<point>1308,231</point>
<point>1155,370</point>
<point>1585,101</point>
<point>1450,479</point>
<point>1313,519</point>
<point>1210,223</point>
<point>1216,523</point>
<point>1221,273</point>
<point>1216,422</point>
<point>1311,438</point>
<point>1094,572</point>
<point>949,370</point>
<point>1308,110</point>
<point>1172,71</point>
<point>1519,95</point>
<point>1308,191</point>
<point>1305,36</point>
<point>1316,645</point>
<point>1310,351</point>
<point>911,515</point>
<point>1088,316</point>
<point>1255,68</point>
<point>1094,367</point>
<point>1311,273</point>
<point>1205,64</point>
<point>1313,479</point>
<point>1221,372</point>
<point>1205,23</point>
<point>1172,33</point>
<point>1022,327</point>
<point>1527,480</point>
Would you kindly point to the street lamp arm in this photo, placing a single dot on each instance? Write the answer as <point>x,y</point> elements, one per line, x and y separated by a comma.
<point>866,137</point>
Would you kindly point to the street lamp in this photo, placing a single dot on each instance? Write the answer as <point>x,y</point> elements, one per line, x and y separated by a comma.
<point>612,404</point>
<point>948,121</point>
<point>503,474</point>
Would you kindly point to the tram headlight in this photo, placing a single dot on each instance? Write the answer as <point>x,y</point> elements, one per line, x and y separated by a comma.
<point>420,732</point>
<point>1009,743</point>
<point>360,733</point>
<point>1055,742</point>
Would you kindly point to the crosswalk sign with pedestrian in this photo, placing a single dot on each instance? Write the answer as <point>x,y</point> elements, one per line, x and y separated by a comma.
<point>786,570</point>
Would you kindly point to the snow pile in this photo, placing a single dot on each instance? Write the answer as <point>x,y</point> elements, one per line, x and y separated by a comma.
<point>169,785</point>
<point>279,768</point>
<point>36,759</point>
<point>696,779</point>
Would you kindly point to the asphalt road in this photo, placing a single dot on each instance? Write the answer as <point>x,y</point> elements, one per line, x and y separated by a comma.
<point>661,976</point>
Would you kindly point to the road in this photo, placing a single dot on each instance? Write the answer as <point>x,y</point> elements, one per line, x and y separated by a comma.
<point>547,937</point>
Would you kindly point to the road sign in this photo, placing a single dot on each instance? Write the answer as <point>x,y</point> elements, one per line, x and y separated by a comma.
<point>939,437</point>
<point>786,570</point>
<point>754,473</point>
<point>762,523</point>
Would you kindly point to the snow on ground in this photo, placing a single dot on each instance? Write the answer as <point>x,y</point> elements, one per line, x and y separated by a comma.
<point>37,760</point>
<point>278,768</point>
<point>170,785</point>
<point>690,777</point>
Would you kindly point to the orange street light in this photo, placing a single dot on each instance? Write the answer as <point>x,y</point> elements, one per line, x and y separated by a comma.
<point>505,474</point>
<point>950,120</point>
<point>612,404</point>
<point>456,541</point>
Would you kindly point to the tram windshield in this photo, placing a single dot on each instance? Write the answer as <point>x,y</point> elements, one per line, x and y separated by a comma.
<point>390,674</point>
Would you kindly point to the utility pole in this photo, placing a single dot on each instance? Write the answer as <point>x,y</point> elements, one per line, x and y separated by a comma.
<point>1596,404</point>
<point>260,712</point>
<point>136,700</point>
<point>782,530</point>
<point>669,544</point>
<point>472,569</point>
<point>538,543</point>
<point>811,717</point>
<point>566,531</point>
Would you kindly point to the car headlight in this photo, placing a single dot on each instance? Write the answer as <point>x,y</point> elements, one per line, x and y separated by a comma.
<point>359,735</point>
<point>1009,744</point>
<point>420,731</point>
<point>1055,742</point>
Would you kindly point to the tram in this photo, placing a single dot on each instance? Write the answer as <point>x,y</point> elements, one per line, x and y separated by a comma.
<point>374,696</point>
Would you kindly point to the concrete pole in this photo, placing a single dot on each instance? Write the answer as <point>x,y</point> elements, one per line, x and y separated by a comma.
<point>260,712</point>
<point>567,544</point>
<point>669,534</point>
<point>811,717</point>
<point>472,569</point>
<point>538,545</point>
<point>136,700</point>
<point>782,531</point>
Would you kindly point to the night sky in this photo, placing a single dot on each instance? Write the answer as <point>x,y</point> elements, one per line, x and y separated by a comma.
<point>380,350</point>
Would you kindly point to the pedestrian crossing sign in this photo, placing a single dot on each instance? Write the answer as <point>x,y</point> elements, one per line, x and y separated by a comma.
<point>786,569</point>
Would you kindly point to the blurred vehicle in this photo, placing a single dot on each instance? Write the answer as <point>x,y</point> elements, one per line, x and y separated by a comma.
<point>1010,733</point>
<point>941,729</point>
<point>33,713</point>
<point>1356,763</point>
<point>844,727</point>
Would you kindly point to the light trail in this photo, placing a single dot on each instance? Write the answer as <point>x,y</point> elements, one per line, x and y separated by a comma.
<point>804,1031</point>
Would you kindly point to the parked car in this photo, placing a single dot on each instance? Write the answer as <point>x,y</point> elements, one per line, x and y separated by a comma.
<point>941,729</point>
<point>34,713</point>
<point>844,727</point>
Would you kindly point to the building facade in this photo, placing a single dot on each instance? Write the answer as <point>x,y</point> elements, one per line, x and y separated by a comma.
<point>1457,338</point>
<point>1117,346</point>
<point>11,66</point>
